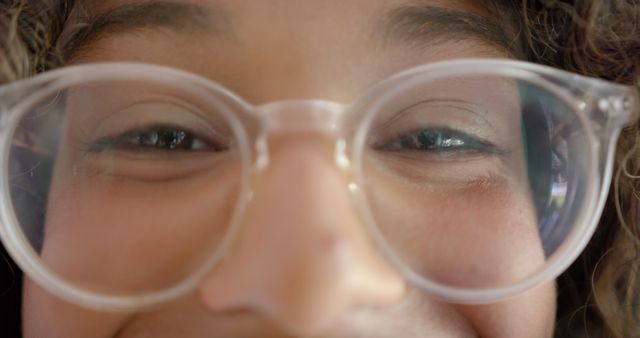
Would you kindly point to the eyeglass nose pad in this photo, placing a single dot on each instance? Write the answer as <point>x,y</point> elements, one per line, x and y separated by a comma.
<point>296,116</point>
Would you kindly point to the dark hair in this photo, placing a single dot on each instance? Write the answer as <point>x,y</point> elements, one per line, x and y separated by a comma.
<point>599,295</point>
<point>28,31</point>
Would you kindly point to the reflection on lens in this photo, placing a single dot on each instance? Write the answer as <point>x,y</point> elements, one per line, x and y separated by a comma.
<point>124,187</point>
<point>474,181</point>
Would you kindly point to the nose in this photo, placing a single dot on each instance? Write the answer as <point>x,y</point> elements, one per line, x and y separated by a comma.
<point>303,257</point>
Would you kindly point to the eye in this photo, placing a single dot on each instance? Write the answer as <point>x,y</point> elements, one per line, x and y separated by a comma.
<point>438,141</point>
<point>164,138</point>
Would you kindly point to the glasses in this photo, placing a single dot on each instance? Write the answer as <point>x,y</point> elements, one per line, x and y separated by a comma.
<point>123,184</point>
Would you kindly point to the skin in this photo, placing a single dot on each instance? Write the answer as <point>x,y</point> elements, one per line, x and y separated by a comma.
<point>303,264</point>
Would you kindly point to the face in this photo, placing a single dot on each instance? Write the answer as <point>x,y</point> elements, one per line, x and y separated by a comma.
<point>303,263</point>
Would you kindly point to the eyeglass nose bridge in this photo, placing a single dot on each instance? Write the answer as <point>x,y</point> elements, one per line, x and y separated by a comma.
<point>301,116</point>
<point>295,116</point>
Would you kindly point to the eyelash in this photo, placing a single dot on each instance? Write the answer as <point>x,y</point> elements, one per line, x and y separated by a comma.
<point>158,138</point>
<point>439,141</point>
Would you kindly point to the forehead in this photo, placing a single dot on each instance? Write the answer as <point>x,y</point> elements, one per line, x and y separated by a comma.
<point>425,20</point>
<point>305,43</point>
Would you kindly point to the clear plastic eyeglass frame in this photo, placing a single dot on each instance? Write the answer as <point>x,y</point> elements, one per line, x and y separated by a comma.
<point>602,107</point>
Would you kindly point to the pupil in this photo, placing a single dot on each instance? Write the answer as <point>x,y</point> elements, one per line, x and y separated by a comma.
<point>148,139</point>
<point>167,139</point>
<point>430,140</point>
<point>172,139</point>
<point>426,140</point>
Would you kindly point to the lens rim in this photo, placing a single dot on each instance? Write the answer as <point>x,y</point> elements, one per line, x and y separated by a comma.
<point>586,221</point>
<point>15,240</point>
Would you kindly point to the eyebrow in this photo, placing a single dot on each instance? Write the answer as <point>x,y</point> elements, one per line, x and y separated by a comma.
<point>419,25</point>
<point>176,17</point>
<point>422,25</point>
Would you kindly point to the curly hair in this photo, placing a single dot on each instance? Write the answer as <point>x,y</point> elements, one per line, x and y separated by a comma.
<point>599,295</point>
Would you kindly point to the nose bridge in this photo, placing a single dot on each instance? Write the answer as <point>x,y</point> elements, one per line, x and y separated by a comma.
<point>303,255</point>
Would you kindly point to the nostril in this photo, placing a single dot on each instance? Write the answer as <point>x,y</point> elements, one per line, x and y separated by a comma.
<point>306,290</point>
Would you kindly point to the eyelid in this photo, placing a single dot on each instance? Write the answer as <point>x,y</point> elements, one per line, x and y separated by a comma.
<point>143,114</point>
<point>111,101</point>
<point>458,116</point>
<point>438,102</point>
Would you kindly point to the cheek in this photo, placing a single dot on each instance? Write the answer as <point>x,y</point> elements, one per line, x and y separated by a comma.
<point>44,315</point>
<point>482,235</point>
<point>532,312</point>
<point>119,235</point>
